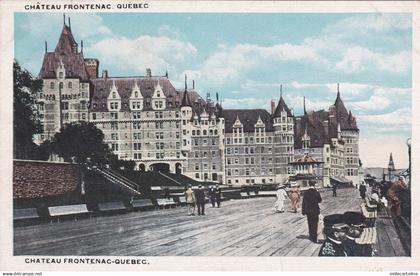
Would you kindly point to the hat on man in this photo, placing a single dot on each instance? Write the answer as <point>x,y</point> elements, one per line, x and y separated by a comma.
<point>354,218</point>
<point>334,223</point>
<point>334,219</point>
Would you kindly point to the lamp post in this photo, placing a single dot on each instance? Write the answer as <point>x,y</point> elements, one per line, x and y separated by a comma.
<point>409,160</point>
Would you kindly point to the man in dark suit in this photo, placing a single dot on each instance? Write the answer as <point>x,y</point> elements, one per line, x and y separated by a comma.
<point>218,195</point>
<point>200,200</point>
<point>310,208</point>
<point>335,235</point>
<point>212,195</point>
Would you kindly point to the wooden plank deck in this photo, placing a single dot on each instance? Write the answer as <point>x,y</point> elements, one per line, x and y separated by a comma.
<point>239,228</point>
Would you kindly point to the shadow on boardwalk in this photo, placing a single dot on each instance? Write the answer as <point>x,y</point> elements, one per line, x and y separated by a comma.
<point>247,227</point>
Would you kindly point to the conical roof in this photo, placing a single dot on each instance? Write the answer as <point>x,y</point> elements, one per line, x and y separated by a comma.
<point>280,107</point>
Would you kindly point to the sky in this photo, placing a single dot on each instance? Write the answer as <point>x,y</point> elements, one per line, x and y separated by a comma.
<point>245,57</point>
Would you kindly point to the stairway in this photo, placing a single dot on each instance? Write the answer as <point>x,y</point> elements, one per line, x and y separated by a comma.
<point>119,180</point>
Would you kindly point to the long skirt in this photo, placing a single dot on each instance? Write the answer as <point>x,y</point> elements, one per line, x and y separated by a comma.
<point>279,205</point>
<point>295,201</point>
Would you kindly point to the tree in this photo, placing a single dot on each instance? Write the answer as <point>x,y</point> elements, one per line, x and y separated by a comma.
<point>81,140</point>
<point>25,123</point>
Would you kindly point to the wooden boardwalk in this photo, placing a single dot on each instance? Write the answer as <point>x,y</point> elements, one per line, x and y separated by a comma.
<point>246,227</point>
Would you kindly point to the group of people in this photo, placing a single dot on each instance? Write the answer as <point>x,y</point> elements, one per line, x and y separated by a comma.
<point>388,196</point>
<point>198,198</point>
<point>282,195</point>
<point>341,233</point>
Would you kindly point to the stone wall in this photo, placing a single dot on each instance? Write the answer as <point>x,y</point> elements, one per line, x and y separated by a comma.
<point>38,179</point>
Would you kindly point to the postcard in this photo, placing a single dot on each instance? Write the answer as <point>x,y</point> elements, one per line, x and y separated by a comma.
<point>209,135</point>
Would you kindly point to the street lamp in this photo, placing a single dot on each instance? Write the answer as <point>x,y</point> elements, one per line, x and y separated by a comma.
<point>409,160</point>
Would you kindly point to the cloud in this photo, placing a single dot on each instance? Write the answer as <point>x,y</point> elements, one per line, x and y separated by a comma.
<point>400,119</point>
<point>230,63</point>
<point>374,151</point>
<point>251,103</point>
<point>157,53</point>
<point>83,26</point>
<point>299,85</point>
<point>359,60</point>
<point>372,22</point>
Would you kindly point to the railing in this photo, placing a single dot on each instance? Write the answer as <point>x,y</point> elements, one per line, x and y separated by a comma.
<point>119,180</point>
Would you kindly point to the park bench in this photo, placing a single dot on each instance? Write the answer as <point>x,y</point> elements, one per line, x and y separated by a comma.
<point>111,206</point>
<point>267,193</point>
<point>244,195</point>
<point>252,194</point>
<point>25,214</point>
<point>68,211</point>
<point>182,200</point>
<point>368,236</point>
<point>164,202</point>
<point>142,203</point>
<point>369,215</point>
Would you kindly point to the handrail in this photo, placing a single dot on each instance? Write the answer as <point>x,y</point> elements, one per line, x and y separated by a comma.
<point>170,178</point>
<point>116,180</point>
<point>122,177</point>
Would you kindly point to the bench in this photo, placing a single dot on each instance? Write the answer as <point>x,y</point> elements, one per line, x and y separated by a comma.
<point>142,203</point>
<point>68,210</point>
<point>244,195</point>
<point>25,214</point>
<point>163,202</point>
<point>368,214</point>
<point>252,194</point>
<point>111,206</point>
<point>368,236</point>
<point>182,200</point>
<point>267,193</point>
<point>370,205</point>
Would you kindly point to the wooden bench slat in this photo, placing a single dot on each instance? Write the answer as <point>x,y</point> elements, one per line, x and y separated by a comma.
<point>165,201</point>
<point>68,210</point>
<point>111,206</point>
<point>139,203</point>
<point>26,213</point>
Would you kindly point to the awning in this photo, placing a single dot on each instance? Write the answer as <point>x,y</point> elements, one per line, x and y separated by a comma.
<point>340,180</point>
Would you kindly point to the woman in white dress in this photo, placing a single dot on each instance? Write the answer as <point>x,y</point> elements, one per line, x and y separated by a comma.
<point>281,196</point>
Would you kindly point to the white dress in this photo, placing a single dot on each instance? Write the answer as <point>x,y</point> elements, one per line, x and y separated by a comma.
<point>281,196</point>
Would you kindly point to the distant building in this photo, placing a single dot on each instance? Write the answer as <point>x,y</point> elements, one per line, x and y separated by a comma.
<point>331,138</point>
<point>148,120</point>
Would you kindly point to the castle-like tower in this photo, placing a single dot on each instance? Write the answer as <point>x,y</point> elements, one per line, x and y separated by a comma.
<point>146,119</point>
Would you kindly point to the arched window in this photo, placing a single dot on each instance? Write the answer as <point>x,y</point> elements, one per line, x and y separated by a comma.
<point>61,85</point>
<point>52,85</point>
<point>204,132</point>
<point>136,94</point>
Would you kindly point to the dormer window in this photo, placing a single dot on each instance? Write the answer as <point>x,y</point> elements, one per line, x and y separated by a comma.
<point>61,75</point>
<point>114,95</point>
<point>136,94</point>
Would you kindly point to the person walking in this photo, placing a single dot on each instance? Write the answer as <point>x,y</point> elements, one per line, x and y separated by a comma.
<point>362,190</point>
<point>334,189</point>
<point>281,196</point>
<point>310,208</point>
<point>212,195</point>
<point>218,194</point>
<point>295,197</point>
<point>190,199</point>
<point>200,200</point>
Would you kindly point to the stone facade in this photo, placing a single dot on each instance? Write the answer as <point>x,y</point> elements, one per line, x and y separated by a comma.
<point>146,119</point>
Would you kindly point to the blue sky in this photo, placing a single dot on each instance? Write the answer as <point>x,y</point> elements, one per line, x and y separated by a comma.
<point>245,57</point>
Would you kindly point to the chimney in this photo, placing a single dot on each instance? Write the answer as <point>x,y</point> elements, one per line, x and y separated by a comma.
<point>105,74</point>
<point>325,124</point>
<point>273,107</point>
<point>148,73</point>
